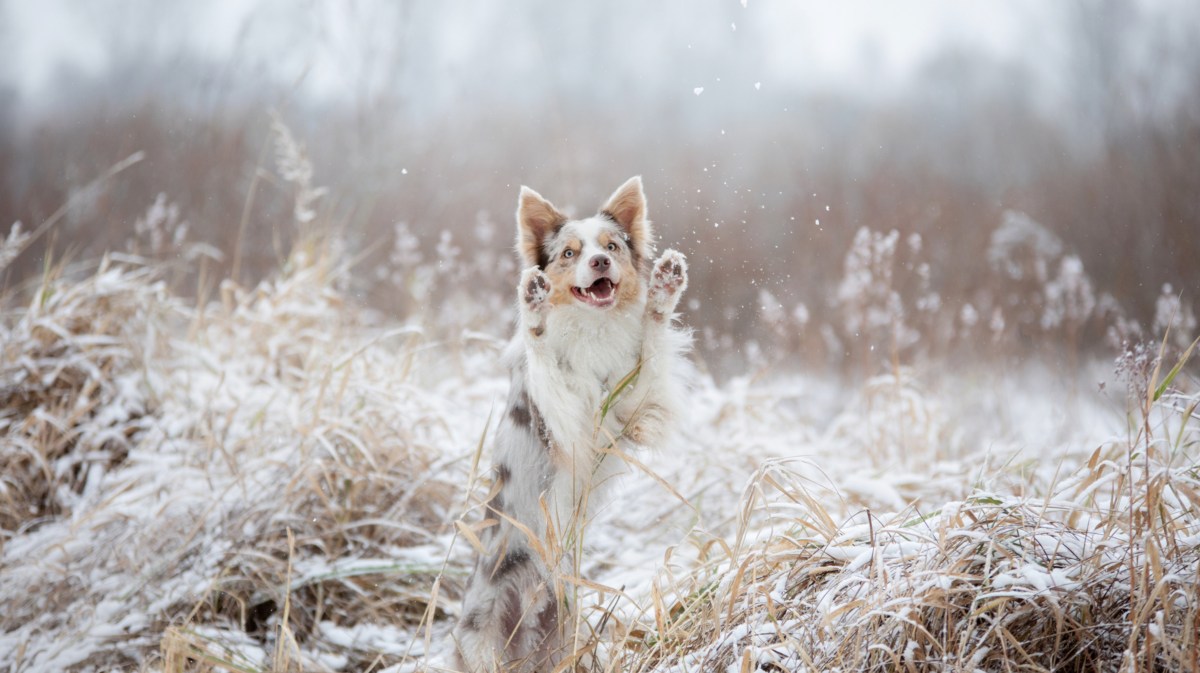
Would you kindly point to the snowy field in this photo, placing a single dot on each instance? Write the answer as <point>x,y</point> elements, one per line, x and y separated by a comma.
<point>943,289</point>
<point>277,479</point>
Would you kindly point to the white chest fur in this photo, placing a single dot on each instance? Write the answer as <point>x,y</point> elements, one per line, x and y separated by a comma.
<point>583,358</point>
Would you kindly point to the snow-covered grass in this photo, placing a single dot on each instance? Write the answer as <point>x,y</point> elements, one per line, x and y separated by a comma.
<point>271,482</point>
<point>176,476</point>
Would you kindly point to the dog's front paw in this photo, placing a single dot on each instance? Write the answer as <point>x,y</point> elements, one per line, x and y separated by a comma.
<point>667,283</point>
<point>534,293</point>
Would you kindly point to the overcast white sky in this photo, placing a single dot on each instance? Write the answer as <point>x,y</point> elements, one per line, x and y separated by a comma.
<point>869,44</point>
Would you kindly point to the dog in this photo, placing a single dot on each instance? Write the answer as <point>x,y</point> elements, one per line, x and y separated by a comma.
<point>597,367</point>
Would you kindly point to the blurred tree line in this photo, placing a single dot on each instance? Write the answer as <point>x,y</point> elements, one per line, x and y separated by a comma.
<point>439,112</point>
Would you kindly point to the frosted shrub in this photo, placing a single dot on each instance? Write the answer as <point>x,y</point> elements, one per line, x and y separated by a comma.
<point>485,228</point>
<point>447,253</point>
<point>865,293</point>
<point>800,315</point>
<point>160,230</point>
<point>928,300</point>
<point>1069,303</point>
<point>1170,312</point>
<point>1123,331</point>
<point>491,260</point>
<point>401,274</point>
<point>775,318</point>
<point>1069,297</point>
<point>467,303</point>
<point>406,251</point>
<point>969,317</point>
<point>433,291</point>
<point>871,307</point>
<point>915,243</point>
<point>1109,313</point>
<point>1022,252</point>
<point>771,311</point>
<point>996,324</point>
<point>786,329</point>
<point>1020,248</point>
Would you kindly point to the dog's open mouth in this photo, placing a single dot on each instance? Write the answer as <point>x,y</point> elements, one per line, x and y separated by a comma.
<point>600,294</point>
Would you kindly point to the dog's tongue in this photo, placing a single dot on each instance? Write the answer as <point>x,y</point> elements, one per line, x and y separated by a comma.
<point>601,289</point>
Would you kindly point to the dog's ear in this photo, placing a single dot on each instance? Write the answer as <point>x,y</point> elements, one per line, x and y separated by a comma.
<point>627,207</point>
<point>537,219</point>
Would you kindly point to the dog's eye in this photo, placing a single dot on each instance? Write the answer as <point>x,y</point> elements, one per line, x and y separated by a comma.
<point>568,253</point>
<point>612,247</point>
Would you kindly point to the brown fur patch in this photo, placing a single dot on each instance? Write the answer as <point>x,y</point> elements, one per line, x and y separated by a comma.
<point>547,618</point>
<point>519,413</point>
<point>509,563</point>
<point>510,618</point>
<point>539,426</point>
<point>561,272</point>
<point>537,220</point>
<point>627,291</point>
<point>473,620</point>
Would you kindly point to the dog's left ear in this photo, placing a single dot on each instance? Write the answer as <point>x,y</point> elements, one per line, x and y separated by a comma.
<point>627,207</point>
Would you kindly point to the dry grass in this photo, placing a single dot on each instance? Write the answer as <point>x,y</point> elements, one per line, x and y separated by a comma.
<point>70,394</point>
<point>1097,572</point>
<point>1071,582</point>
<point>270,482</point>
<point>276,480</point>
<point>259,466</point>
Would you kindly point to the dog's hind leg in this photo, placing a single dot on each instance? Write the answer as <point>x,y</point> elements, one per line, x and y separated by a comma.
<point>510,619</point>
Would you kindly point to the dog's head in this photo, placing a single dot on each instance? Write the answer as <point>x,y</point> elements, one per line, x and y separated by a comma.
<point>600,262</point>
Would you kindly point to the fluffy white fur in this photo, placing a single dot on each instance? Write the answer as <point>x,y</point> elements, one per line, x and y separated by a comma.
<point>573,349</point>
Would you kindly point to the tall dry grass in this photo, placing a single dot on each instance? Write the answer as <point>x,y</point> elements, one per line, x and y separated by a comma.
<point>266,463</point>
<point>187,484</point>
<point>1096,570</point>
<point>269,482</point>
<point>274,479</point>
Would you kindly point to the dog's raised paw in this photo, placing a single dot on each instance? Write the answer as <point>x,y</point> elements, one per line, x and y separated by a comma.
<point>534,291</point>
<point>667,282</point>
<point>535,288</point>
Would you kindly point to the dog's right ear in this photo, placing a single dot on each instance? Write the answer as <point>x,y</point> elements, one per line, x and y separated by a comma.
<point>537,219</point>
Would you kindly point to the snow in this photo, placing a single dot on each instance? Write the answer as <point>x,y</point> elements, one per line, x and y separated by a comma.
<point>287,414</point>
<point>381,637</point>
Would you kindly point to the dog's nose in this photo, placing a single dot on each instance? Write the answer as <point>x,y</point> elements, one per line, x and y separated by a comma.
<point>600,262</point>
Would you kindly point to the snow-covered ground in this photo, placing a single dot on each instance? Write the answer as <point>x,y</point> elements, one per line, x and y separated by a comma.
<point>271,482</point>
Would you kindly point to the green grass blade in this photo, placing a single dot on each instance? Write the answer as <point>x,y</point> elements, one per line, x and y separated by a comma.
<point>624,383</point>
<point>1166,383</point>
